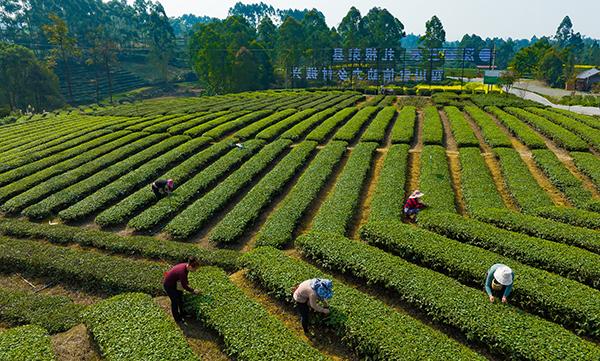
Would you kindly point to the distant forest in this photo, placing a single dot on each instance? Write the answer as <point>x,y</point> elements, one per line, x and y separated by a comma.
<point>255,47</point>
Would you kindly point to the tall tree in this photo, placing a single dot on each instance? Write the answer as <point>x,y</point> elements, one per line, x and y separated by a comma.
<point>317,40</point>
<point>526,61</point>
<point>267,33</point>
<point>351,29</point>
<point>550,68</point>
<point>162,40</point>
<point>291,34</point>
<point>431,43</point>
<point>65,46</point>
<point>253,13</point>
<point>564,32</point>
<point>382,29</point>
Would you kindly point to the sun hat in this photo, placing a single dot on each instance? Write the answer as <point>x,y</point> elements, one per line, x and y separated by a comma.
<point>417,194</point>
<point>323,288</point>
<point>170,183</point>
<point>503,275</point>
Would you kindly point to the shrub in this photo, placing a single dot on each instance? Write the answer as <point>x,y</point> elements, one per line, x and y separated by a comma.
<point>247,329</point>
<point>591,135</point>
<point>479,190</point>
<point>125,185</point>
<point>588,120</point>
<point>543,228</point>
<point>537,291</point>
<point>349,131</point>
<point>570,262</point>
<point>180,128</point>
<point>132,327</point>
<point>520,182</point>
<point>90,270</point>
<point>374,330</point>
<point>435,180</point>
<point>376,131</point>
<point>321,132</point>
<point>561,136</point>
<point>572,216</point>
<point>205,127</point>
<point>588,164</point>
<point>221,130</point>
<point>147,247</point>
<point>196,215</point>
<point>235,222</point>
<point>164,126</point>
<point>388,199</point>
<point>29,343</point>
<point>280,226</point>
<point>404,127</point>
<point>54,313</point>
<point>300,129</point>
<point>144,197</point>
<point>463,134</point>
<point>492,133</point>
<point>561,177</point>
<point>254,128</point>
<point>276,129</point>
<point>519,129</point>
<point>182,195</point>
<point>433,131</point>
<point>339,208</point>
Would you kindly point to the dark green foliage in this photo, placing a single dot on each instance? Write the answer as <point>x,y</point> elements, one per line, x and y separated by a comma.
<point>435,180</point>
<point>433,131</point>
<point>388,200</point>
<point>463,134</point>
<point>492,133</point>
<point>519,129</point>
<point>404,127</point>
<point>30,343</point>
<point>479,190</point>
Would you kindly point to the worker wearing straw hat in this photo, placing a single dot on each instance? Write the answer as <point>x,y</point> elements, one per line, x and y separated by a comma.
<point>309,293</point>
<point>413,204</point>
<point>499,282</point>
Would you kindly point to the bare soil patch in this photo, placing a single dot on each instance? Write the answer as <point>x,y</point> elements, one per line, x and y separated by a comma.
<point>453,164</point>
<point>75,345</point>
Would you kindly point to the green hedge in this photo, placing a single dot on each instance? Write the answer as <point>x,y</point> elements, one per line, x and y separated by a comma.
<point>571,262</point>
<point>205,127</point>
<point>349,131</point>
<point>433,130</point>
<point>561,177</point>
<point>12,189</point>
<point>54,313</point>
<point>585,119</point>
<point>132,327</point>
<point>247,329</point>
<point>195,216</point>
<point>140,177</point>
<point>377,129</point>
<point>543,228</point>
<point>90,270</point>
<point>139,126</point>
<point>591,135</point>
<point>404,127</point>
<point>479,190</point>
<point>519,129</point>
<point>276,129</point>
<point>374,101</point>
<point>435,180</point>
<point>320,133</point>
<point>26,343</point>
<point>388,199</point>
<point>77,191</point>
<point>300,129</point>
<point>164,126</point>
<point>589,164</point>
<point>223,129</point>
<point>492,133</point>
<point>572,216</point>
<point>558,134</point>
<point>368,326</point>
<point>245,212</point>
<point>338,209</point>
<point>182,195</point>
<point>254,128</point>
<point>147,247</point>
<point>564,301</point>
<point>144,197</point>
<point>27,165</point>
<point>61,181</point>
<point>521,184</point>
<point>463,134</point>
<point>180,128</point>
<point>280,225</point>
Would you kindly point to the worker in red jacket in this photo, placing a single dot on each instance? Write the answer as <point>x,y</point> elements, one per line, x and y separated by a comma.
<point>175,281</point>
<point>413,205</point>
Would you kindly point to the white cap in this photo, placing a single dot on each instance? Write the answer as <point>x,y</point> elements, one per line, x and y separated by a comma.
<point>503,275</point>
<point>417,194</point>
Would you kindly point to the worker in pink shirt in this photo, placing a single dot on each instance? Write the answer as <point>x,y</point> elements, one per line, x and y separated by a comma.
<point>175,280</point>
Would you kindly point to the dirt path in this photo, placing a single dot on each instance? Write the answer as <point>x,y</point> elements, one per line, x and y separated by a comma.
<point>361,217</point>
<point>453,164</point>
<point>75,345</point>
<point>414,156</point>
<point>327,342</point>
<point>557,197</point>
<point>205,344</point>
<point>493,166</point>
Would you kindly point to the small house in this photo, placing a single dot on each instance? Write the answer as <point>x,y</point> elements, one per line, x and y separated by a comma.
<point>586,80</point>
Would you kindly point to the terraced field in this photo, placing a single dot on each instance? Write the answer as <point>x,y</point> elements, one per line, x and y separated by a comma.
<point>316,190</point>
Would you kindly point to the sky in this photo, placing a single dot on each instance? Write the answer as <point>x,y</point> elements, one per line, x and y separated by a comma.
<point>508,18</point>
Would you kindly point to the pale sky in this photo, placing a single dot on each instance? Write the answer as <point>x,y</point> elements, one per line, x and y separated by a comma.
<point>507,18</point>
